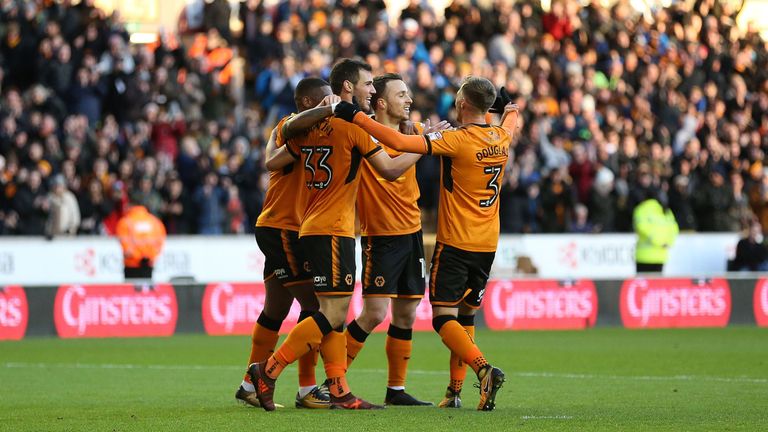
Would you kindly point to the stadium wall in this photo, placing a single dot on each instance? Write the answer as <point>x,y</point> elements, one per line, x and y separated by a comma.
<point>125,310</point>
<point>37,261</point>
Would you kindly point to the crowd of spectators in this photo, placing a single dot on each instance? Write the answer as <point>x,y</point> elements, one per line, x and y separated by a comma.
<point>614,102</point>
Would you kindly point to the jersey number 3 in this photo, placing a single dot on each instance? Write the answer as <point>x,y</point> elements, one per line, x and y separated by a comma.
<point>493,185</point>
<point>318,165</point>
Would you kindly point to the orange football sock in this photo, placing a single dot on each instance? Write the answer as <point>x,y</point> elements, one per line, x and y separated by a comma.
<point>308,361</point>
<point>456,338</point>
<point>263,340</point>
<point>334,351</point>
<point>458,367</point>
<point>305,337</point>
<point>307,364</point>
<point>398,347</point>
<point>356,337</point>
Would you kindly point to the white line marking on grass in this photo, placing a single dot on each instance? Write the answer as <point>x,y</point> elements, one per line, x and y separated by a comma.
<point>555,417</point>
<point>741,379</point>
<point>116,366</point>
<point>562,375</point>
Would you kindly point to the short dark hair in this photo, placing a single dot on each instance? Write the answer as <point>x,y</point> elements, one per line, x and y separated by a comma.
<point>380,84</point>
<point>307,87</point>
<point>479,92</point>
<point>346,70</point>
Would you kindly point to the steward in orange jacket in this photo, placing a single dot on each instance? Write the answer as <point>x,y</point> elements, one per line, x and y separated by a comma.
<point>141,236</point>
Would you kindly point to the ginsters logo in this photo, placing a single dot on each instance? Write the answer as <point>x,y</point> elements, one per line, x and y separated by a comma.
<point>121,310</point>
<point>540,304</point>
<point>665,303</point>
<point>761,302</point>
<point>233,308</point>
<point>14,313</point>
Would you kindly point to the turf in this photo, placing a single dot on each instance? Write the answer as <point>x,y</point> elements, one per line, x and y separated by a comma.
<point>601,379</point>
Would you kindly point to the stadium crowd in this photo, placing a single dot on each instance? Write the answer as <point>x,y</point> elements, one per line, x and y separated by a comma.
<point>614,103</point>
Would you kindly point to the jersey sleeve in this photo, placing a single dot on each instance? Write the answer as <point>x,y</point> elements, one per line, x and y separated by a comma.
<point>279,140</point>
<point>364,142</point>
<point>445,143</point>
<point>293,147</point>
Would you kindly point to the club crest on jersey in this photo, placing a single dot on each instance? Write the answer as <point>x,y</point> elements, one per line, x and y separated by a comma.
<point>348,279</point>
<point>379,281</point>
<point>307,268</point>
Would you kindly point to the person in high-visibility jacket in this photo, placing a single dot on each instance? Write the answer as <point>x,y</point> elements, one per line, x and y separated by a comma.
<point>656,230</point>
<point>141,236</point>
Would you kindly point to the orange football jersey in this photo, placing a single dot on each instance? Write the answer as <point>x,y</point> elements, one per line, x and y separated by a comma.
<point>387,208</point>
<point>473,159</point>
<point>286,196</point>
<point>331,153</point>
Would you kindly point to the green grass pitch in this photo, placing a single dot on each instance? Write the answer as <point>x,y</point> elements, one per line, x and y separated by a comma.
<point>601,379</point>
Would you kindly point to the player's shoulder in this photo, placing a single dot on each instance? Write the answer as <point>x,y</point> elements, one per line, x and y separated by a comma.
<point>446,134</point>
<point>485,132</point>
<point>285,119</point>
<point>345,128</point>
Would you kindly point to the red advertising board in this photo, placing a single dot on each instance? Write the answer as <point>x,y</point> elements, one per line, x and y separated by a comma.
<point>119,310</point>
<point>669,303</point>
<point>14,313</point>
<point>761,302</point>
<point>233,308</point>
<point>540,304</point>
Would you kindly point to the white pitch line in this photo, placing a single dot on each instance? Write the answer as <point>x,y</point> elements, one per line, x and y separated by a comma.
<point>575,376</point>
<point>742,379</point>
<point>555,417</point>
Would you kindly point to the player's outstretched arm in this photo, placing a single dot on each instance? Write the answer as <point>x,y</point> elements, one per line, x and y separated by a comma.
<point>277,158</point>
<point>389,137</point>
<point>509,118</point>
<point>300,123</point>
<point>392,168</point>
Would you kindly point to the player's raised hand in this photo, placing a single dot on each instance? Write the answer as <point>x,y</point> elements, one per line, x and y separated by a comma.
<point>503,98</point>
<point>346,111</point>
<point>407,127</point>
<point>441,126</point>
<point>511,107</point>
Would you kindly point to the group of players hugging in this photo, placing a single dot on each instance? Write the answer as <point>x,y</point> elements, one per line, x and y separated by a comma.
<point>333,160</point>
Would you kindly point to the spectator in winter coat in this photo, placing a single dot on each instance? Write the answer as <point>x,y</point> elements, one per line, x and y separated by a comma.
<point>31,204</point>
<point>713,202</point>
<point>211,201</point>
<point>64,217</point>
